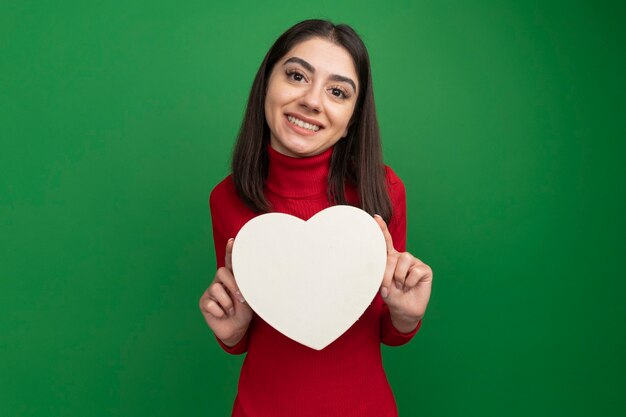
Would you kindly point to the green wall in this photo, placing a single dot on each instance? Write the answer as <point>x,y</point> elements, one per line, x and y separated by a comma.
<point>504,119</point>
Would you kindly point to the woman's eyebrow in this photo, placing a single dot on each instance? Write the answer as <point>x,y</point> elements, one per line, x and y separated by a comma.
<point>311,69</point>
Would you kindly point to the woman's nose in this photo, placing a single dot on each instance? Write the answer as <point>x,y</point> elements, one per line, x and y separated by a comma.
<point>312,99</point>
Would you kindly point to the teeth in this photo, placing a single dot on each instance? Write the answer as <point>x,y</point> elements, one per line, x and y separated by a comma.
<point>305,125</point>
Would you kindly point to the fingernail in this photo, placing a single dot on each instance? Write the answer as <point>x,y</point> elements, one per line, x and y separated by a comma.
<point>376,215</point>
<point>240,297</point>
<point>231,312</point>
<point>398,285</point>
<point>384,292</point>
<point>231,239</point>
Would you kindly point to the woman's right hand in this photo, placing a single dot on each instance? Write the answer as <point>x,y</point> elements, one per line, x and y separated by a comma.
<point>222,305</point>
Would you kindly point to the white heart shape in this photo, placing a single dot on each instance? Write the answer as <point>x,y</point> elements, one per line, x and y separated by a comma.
<point>310,280</point>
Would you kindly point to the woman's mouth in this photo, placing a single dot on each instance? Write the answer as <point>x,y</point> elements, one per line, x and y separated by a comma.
<point>301,126</point>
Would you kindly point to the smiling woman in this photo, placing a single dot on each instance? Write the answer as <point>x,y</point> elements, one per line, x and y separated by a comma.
<point>310,140</point>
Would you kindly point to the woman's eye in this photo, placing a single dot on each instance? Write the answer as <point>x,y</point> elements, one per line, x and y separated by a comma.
<point>295,75</point>
<point>338,92</point>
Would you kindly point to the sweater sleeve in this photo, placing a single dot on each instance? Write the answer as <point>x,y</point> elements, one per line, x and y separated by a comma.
<point>216,202</point>
<point>397,228</point>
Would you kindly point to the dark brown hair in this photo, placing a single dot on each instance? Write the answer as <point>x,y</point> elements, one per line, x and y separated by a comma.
<point>357,158</point>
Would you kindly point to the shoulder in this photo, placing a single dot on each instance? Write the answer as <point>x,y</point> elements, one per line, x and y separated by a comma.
<point>224,200</point>
<point>395,184</point>
<point>228,211</point>
<point>392,177</point>
<point>224,190</point>
<point>397,195</point>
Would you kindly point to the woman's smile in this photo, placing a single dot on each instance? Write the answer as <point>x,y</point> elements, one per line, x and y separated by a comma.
<point>302,127</point>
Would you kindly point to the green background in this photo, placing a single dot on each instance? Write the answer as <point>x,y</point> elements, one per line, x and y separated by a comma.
<point>504,119</point>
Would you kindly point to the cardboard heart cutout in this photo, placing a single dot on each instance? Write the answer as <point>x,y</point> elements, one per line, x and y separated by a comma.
<point>310,280</point>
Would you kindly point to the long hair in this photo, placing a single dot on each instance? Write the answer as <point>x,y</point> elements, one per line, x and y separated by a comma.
<point>356,158</point>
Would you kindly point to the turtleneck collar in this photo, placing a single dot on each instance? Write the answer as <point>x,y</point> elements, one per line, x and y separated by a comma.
<point>292,177</point>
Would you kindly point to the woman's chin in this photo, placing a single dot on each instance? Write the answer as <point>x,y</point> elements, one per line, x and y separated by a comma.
<point>295,148</point>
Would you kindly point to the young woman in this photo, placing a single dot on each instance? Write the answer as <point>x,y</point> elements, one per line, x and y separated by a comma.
<point>309,140</point>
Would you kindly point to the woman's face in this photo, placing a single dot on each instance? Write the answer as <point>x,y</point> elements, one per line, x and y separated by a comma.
<point>310,98</point>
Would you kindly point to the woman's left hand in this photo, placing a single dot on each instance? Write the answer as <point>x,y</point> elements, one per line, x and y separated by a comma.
<point>406,285</point>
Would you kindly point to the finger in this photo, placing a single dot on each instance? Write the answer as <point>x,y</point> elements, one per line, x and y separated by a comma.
<point>204,300</point>
<point>208,305</point>
<point>405,260</point>
<point>212,307</point>
<point>385,230</point>
<point>390,267</point>
<point>228,261</point>
<point>219,294</point>
<point>226,277</point>
<point>418,273</point>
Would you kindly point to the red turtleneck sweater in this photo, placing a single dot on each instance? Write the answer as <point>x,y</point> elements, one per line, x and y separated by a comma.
<point>279,376</point>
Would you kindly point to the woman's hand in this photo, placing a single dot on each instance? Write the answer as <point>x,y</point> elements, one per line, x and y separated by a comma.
<point>406,285</point>
<point>222,305</point>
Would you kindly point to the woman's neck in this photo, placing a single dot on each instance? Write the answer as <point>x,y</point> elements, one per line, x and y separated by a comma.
<point>293,177</point>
